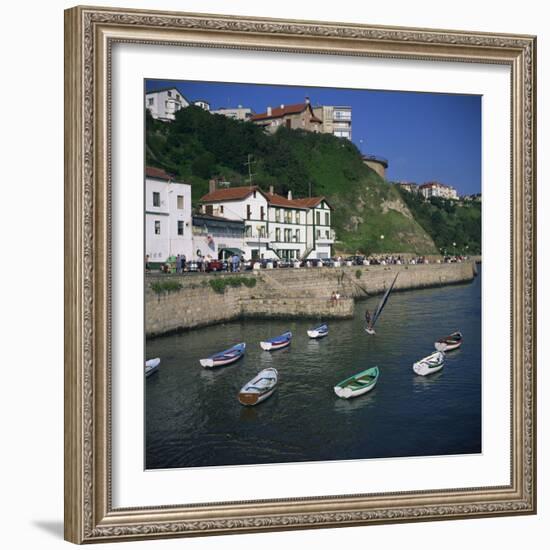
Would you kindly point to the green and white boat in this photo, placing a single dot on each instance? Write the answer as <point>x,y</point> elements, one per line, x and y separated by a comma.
<point>358,384</point>
<point>433,363</point>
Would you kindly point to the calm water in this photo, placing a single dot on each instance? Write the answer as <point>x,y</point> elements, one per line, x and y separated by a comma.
<point>193,417</point>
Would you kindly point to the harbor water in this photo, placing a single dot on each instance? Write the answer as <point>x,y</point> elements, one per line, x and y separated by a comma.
<point>193,417</point>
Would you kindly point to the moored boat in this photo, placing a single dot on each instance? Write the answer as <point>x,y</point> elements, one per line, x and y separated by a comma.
<point>152,366</point>
<point>259,388</point>
<point>224,357</point>
<point>318,332</point>
<point>430,364</point>
<point>278,342</point>
<point>448,343</point>
<point>358,384</point>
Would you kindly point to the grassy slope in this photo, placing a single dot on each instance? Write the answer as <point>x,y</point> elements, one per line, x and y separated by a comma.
<point>199,145</point>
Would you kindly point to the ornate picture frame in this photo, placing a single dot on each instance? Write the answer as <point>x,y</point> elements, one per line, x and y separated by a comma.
<point>90,34</point>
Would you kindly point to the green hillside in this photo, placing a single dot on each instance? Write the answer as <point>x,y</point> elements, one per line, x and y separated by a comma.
<point>455,226</point>
<point>199,145</point>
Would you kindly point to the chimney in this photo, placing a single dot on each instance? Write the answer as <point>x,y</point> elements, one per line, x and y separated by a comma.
<point>269,111</point>
<point>289,196</point>
<point>271,189</point>
<point>282,105</point>
<point>307,100</point>
<point>211,186</point>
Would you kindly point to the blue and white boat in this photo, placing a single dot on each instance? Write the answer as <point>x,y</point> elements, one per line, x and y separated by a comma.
<point>278,342</point>
<point>318,332</point>
<point>224,357</point>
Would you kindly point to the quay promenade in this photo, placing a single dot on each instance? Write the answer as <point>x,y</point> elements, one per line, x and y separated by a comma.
<point>283,293</point>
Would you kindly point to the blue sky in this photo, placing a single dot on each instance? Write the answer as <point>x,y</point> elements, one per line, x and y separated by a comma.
<point>424,136</point>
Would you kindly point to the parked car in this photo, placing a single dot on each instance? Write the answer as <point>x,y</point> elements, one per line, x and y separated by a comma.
<point>216,265</point>
<point>192,266</point>
<point>328,262</point>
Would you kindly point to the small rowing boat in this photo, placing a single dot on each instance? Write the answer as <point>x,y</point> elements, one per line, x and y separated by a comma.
<point>259,388</point>
<point>358,384</point>
<point>430,364</point>
<point>319,332</point>
<point>152,366</point>
<point>278,342</point>
<point>448,343</point>
<point>224,357</point>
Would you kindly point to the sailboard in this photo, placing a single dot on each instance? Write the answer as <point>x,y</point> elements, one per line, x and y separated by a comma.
<point>369,329</point>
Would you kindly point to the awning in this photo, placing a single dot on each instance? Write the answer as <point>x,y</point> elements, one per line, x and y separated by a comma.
<point>232,251</point>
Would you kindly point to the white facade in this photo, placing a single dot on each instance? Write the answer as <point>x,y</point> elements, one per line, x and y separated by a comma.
<point>276,227</point>
<point>236,113</point>
<point>164,104</point>
<point>436,189</point>
<point>202,104</point>
<point>215,237</point>
<point>168,225</point>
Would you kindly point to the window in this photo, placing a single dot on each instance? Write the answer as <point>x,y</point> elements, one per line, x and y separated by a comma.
<point>157,227</point>
<point>221,208</point>
<point>151,101</point>
<point>156,198</point>
<point>209,209</point>
<point>248,212</point>
<point>278,215</point>
<point>297,236</point>
<point>169,94</point>
<point>278,234</point>
<point>180,202</point>
<point>248,231</point>
<point>262,213</point>
<point>318,218</point>
<point>327,218</point>
<point>298,217</point>
<point>318,233</point>
<point>180,227</point>
<point>262,232</point>
<point>327,234</point>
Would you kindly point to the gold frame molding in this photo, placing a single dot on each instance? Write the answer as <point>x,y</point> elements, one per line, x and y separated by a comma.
<point>89,36</point>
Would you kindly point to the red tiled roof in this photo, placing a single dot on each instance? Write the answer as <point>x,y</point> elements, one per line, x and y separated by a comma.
<point>230,194</point>
<point>310,202</point>
<point>279,200</point>
<point>158,173</point>
<point>279,112</point>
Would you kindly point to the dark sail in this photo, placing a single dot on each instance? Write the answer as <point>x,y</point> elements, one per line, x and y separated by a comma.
<point>382,303</point>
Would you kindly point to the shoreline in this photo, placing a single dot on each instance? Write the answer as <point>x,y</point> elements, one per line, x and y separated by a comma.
<point>302,293</point>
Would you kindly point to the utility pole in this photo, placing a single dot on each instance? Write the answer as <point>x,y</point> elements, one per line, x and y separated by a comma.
<point>249,163</point>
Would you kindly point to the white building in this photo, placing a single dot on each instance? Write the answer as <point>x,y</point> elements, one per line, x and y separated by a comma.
<point>164,104</point>
<point>168,224</point>
<point>202,103</point>
<point>217,237</point>
<point>275,226</point>
<point>236,113</point>
<point>436,189</point>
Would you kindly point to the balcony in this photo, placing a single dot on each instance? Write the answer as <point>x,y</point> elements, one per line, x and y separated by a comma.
<point>324,239</point>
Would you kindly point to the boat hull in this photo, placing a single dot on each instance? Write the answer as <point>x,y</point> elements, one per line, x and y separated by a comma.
<point>347,393</point>
<point>214,361</point>
<point>429,365</point>
<point>152,366</point>
<point>317,334</point>
<point>250,399</point>
<point>370,331</point>
<point>268,346</point>
<point>444,346</point>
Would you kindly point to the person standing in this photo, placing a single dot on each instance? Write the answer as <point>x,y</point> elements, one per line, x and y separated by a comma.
<point>183,262</point>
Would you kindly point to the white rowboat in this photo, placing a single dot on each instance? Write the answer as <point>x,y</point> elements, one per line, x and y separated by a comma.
<point>430,364</point>
<point>151,366</point>
<point>278,342</point>
<point>319,332</point>
<point>259,388</point>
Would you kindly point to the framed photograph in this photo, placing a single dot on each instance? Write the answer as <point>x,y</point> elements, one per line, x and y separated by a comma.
<point>300,274</point>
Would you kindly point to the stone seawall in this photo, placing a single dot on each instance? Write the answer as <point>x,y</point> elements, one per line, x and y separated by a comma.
<point>303,292</point>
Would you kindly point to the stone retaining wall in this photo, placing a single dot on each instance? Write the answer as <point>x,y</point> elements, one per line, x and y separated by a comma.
<point>303,292</point>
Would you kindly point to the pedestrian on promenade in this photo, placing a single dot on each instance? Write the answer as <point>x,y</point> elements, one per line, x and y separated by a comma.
<point>178,264</point>
<point>333,298</point>
<point>147,266</point>
<point>183,262</point>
